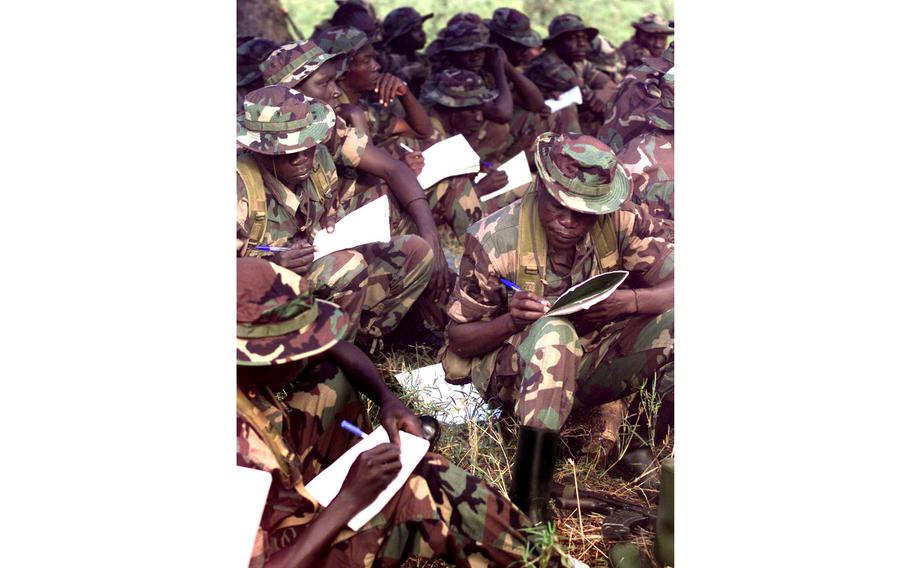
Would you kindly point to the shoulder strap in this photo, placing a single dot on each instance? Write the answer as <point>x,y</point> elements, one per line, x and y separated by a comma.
<point>255,192</point>
<point>530,235</point>
<point>604,237</point>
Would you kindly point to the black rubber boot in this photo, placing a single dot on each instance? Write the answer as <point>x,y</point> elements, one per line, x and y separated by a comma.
<point>532,471</point>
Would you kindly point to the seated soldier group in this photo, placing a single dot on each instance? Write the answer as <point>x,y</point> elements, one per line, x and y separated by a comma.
<point>330,123</point>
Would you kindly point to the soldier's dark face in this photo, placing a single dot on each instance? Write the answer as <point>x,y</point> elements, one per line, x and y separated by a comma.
<point>276,376</point>
<point>293,169</point>
<point>564,227</point>
<point>654,43</point>
<point>413,40</point>
<point>466,120</point>
<point>470,60</point>
<point>572,46</point>
<point>516,53</point>
<point>321,85</point>
<point>363,71</point>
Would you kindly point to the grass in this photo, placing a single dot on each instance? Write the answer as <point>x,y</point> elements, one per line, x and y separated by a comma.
<point>485,449</point>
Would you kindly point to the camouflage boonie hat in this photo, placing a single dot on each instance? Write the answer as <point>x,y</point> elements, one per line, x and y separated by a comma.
<point>278,120</point>
<point>469,17</point>
<point>457,88</point>
<point>400,21</point>
<point>341,40</point>
<point>654,24</point>
<point>251,51</point>
<point>278,320</point>
<point>466,36</point>
<point>568,23</point>
<point>514,25</point>
<point>581,172</point>
<point>294,62</point>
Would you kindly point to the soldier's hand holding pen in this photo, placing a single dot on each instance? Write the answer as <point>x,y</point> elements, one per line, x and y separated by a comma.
<point>525,308</point>
<point>371,472</point>
<point>298,258</point>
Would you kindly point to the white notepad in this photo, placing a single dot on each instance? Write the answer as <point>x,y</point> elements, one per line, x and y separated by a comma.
<point>451,157</point>
<point>518,172</point>
<point>325,486</point>
<point>452,404</point>
<point>567,99</point>
<point>249,490</point>
<point>368,224</point>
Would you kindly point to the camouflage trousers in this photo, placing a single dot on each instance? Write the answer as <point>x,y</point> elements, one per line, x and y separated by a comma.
<point>341,277</point>
<point>440,512</point>
<point>548,369</point>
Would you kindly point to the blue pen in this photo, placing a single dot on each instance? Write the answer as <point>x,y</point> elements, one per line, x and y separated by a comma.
<point>352,429</point>
<point>510,285</point>
<point>267,248</point>
<point>488,164</point>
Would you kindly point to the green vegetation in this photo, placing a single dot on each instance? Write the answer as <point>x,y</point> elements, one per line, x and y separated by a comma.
<point>613,19</point>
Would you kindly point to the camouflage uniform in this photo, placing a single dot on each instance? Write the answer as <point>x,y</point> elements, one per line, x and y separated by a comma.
<point>644,101</point>
<point>251,51</point>
<point>607,58</point>
<point>553,76</point>
<point>376,283</point>
<point>544,371</point>
<point>651,23</point>
<point>412,68</point>
<point>649,160</point>
<point>294,434</point>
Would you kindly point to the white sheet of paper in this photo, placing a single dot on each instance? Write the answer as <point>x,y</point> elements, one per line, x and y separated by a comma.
<point>519,173</point>
<point>249,490</point>
<point>325,486</point>
<point>368,224</point>
<point>451,157</point>
<point>573,308</point>
<point>452,404</point>
<point>569,98</point>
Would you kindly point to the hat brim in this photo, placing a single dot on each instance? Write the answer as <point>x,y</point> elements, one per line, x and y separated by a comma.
<point>617,192</point>
<point>447,101</point>
<point>592,33</point>
<point>655,31</point>
<point>330,325</point>
<point>530,39</point>
<point>307,69</point>
<point>274,143</point>
<point>469,47</point>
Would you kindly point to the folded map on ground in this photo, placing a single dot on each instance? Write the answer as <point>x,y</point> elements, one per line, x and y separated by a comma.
<point>518,172</point>
<point>567,99</point>
<point>450,404</point>
<point>368,224</point>
<point>325,486</point>
<point>587,293</point>
<point>451,157</point>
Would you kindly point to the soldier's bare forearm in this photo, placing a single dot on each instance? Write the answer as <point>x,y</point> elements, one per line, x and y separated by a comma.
<point>479,337</point>
<point>500,108</point>
<point>655,300</point>
<point>360,371</point>
<point>527,91</point>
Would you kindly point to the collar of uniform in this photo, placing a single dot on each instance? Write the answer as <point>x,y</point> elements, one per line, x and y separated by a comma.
<point>287,198</point>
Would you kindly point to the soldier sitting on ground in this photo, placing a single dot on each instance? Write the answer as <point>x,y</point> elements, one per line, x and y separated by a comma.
<point>564,65</point>
<point>403,37</point>
<point>573,223</point>
<point>286,192</point>
<point>296,381</point>
<point>307,67</point>
<point>650,39</point>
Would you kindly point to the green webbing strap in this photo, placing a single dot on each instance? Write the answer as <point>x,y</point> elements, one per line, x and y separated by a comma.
<point>249,413</point>
<point>255,192</point>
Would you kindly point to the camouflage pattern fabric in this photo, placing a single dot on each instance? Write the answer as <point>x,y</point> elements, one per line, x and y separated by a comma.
<point>607,58</point>
<point>294,62</point>
<point>278,319</point>
<point>466,35</point>
<point>553,76</point>
<point>413,71</point>
<point>401,21</point>
<point>568,23</point>
<point>635,52</point>
<point>374,284</point>
<point>441,511</point>
<point>652,23</point>
<point>341,39</point>
<point>279,120</point>
<point>644,101</point>
<point>545,370</point>
<point>457,88</point>
<point>251,51</point>
<point>514,25</point>
<point>580,172</point>
<point>649,160</point>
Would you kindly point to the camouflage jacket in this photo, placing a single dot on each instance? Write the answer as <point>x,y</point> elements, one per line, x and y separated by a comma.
<point>491,252</point>
<point>649,160</point>
<point>295,213</point>
<point>553,76</point>
<point>632,51</point>
<point>607,58</point>
<point>265,442</point>
<point>414,73</point>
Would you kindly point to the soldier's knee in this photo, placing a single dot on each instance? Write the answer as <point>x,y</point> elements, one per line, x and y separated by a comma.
<point>343,270</point>
<point>553,331</point>
<point>417,252</point>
